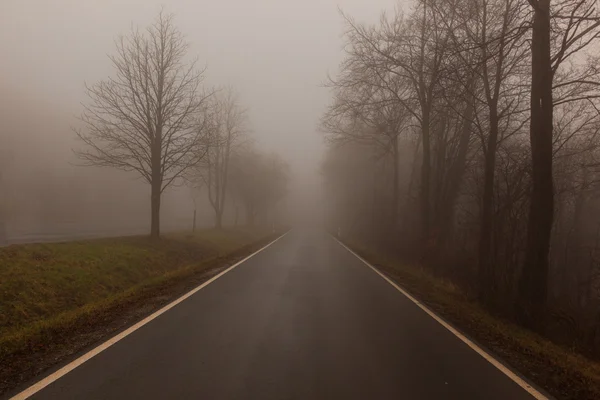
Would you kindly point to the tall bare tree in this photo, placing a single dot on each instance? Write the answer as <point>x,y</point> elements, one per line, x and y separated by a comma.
<point>228,126</point>
<point>405,60</point>
<point>560,29</point>
<point>365,111</point>
<point>144,118</point>
<point>495,52</point>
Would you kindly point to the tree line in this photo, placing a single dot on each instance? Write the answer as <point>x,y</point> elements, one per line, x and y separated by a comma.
<point>463,136</point>
<point>156,117</point>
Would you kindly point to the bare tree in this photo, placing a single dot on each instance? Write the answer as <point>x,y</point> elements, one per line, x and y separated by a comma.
<point>496,34</point>
<point>364,111</point>
<point>576,24</point>
<point>227,130</point>
<point>144,119</point>
<point>195,192</point>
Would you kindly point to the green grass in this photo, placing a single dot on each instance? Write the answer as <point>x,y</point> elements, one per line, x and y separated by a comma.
<point>39,282</point>
<point>564,373</point>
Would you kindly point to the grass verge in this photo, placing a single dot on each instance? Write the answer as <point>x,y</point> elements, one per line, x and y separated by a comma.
<point>562,372</point>
<point>58,299</point>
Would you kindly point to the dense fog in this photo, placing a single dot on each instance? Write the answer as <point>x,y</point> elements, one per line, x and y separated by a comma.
<point>274,54</point>
<point>458,135</point>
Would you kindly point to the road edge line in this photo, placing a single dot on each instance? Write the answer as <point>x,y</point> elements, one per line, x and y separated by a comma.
<point>487,356</point>
<point>36,387</point>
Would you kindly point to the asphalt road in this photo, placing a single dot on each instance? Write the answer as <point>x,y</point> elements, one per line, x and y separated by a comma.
<point>304,319</point>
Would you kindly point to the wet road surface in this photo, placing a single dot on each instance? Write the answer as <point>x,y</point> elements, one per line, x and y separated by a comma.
<point>304,319</point>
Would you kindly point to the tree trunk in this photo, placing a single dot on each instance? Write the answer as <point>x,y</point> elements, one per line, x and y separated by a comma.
<point>457,171</point>
<point>439,179</point>
<point>487,278</point>
<point>533,284</point>
<point>194,223</point>
<point>573,270</point>
<point>219,219</point>
<point>426,107</point>
<point>425,177</point>
<point>374,225</point>
<point>396,184</point>
<point>155,209</point>
<point>411,183</point>
<point>156,186</point>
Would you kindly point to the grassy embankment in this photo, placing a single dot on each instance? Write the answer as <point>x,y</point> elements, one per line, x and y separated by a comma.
<point>56,298</point>
<point>562,372</point>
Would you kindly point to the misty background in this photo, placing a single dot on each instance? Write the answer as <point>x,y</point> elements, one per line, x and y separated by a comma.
<point>275,54</point>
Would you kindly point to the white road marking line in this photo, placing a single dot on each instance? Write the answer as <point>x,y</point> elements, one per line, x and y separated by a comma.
<point>30,391</point>
<point>514,377</point>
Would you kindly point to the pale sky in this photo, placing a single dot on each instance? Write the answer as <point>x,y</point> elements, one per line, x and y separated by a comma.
<point>275,53</point>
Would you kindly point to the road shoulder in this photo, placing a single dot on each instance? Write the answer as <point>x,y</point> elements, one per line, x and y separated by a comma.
<point>559,371</point>
<point>75,333</point>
